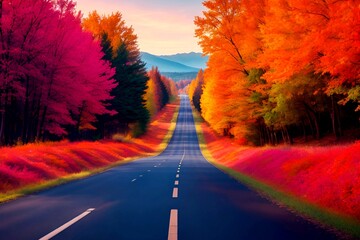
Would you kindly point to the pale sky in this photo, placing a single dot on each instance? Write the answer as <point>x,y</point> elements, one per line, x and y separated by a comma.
<point>162,26</point>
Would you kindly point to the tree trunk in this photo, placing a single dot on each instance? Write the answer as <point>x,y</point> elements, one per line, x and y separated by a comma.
<point>40,133</point>
<point>283,135</point>
<point>334,116</point>
<point>313,117</point>
<point>304,130</point>
<point>78,124</point>
<point>25,126</point>
<point>261,135</point>
<point>2,111</point>
<point>289,138</point>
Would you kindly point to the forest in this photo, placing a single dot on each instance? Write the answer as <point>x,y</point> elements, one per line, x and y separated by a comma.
<point>68,76</point>
<point>280,70</point>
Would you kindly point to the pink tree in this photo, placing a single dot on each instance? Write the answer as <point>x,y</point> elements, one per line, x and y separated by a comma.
<point>51,71</point>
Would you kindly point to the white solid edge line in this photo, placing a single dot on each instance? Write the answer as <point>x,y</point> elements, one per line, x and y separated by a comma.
<point>66,225</point>
<point>175,192</point>
<point>173,225</point>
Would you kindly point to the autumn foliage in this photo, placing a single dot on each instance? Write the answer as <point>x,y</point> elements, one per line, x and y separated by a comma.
<point>195,90</point>
<point>64,76</point>
<point>119,43</point>
<point>183,86</point>
<point>161,90</point>
<point>51,72</point>
<point>280,69</point>
<point>37,163</point>
<point>326,176</point>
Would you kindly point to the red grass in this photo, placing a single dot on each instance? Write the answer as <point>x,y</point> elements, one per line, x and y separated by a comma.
<point>36,163</point>
<point>327,176</point>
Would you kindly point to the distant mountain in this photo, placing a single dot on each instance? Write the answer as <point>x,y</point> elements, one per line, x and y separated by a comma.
<point>192,59</point>
<point>165,65</point>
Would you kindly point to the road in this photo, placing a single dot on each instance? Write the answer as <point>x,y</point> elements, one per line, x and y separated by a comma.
<point>176,195</point>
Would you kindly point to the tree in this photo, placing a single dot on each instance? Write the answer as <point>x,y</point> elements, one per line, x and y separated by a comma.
<point>313,36</point>
<point>115,27</point>
<point>131,77</point>
<point>128,99</point>
<point>161,90</point>
<point>196,89</point>
<point>229,34</point>
<point>262,52</point>
<point>45,84</point>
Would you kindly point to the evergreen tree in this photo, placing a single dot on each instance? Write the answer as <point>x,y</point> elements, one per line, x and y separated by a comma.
<point>128,96</point>
<point>106,47</point>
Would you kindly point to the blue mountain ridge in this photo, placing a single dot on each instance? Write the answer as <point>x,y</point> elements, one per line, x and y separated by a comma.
<point>191,59</point>
<point>165,64</point>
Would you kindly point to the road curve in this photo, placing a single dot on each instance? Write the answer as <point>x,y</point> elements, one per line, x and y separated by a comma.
<point>176,195</point>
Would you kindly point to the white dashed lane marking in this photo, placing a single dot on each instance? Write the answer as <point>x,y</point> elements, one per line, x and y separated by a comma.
<point>175,192</point>
<point>173,225</point>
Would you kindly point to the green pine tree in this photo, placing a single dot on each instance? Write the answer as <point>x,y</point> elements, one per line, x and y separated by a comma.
<point>128,99</point>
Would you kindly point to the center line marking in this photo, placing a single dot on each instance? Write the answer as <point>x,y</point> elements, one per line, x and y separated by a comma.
<point>133,180</point>
<point>149,170</point>
<point>176,182</point>
<point>177,175</point>
<point>175,192</point>
<point>173,225</point>
<point>140,175</point>
<point>66,225</point>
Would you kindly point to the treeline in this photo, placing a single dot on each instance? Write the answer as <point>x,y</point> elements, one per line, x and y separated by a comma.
<point>183,85</point>
<point>161,90</point>
<point>64,76</point>
<point>279,69</point>
<point>136,89</point>
<point>195,90</point>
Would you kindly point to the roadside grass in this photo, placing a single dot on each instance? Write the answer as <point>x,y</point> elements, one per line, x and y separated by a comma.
<point>35,167</point>
<point>339,223</point>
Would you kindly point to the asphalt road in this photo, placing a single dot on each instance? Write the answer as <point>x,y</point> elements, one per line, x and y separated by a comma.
<point>176,195</point>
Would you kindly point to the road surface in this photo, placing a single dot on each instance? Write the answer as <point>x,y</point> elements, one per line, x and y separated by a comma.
<point>176,195</point>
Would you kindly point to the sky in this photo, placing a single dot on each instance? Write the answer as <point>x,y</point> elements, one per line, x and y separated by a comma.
<point>163,27</point>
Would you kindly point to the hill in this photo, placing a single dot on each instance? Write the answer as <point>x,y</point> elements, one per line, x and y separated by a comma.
<point>192,59</point>
<point>165,65</point>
